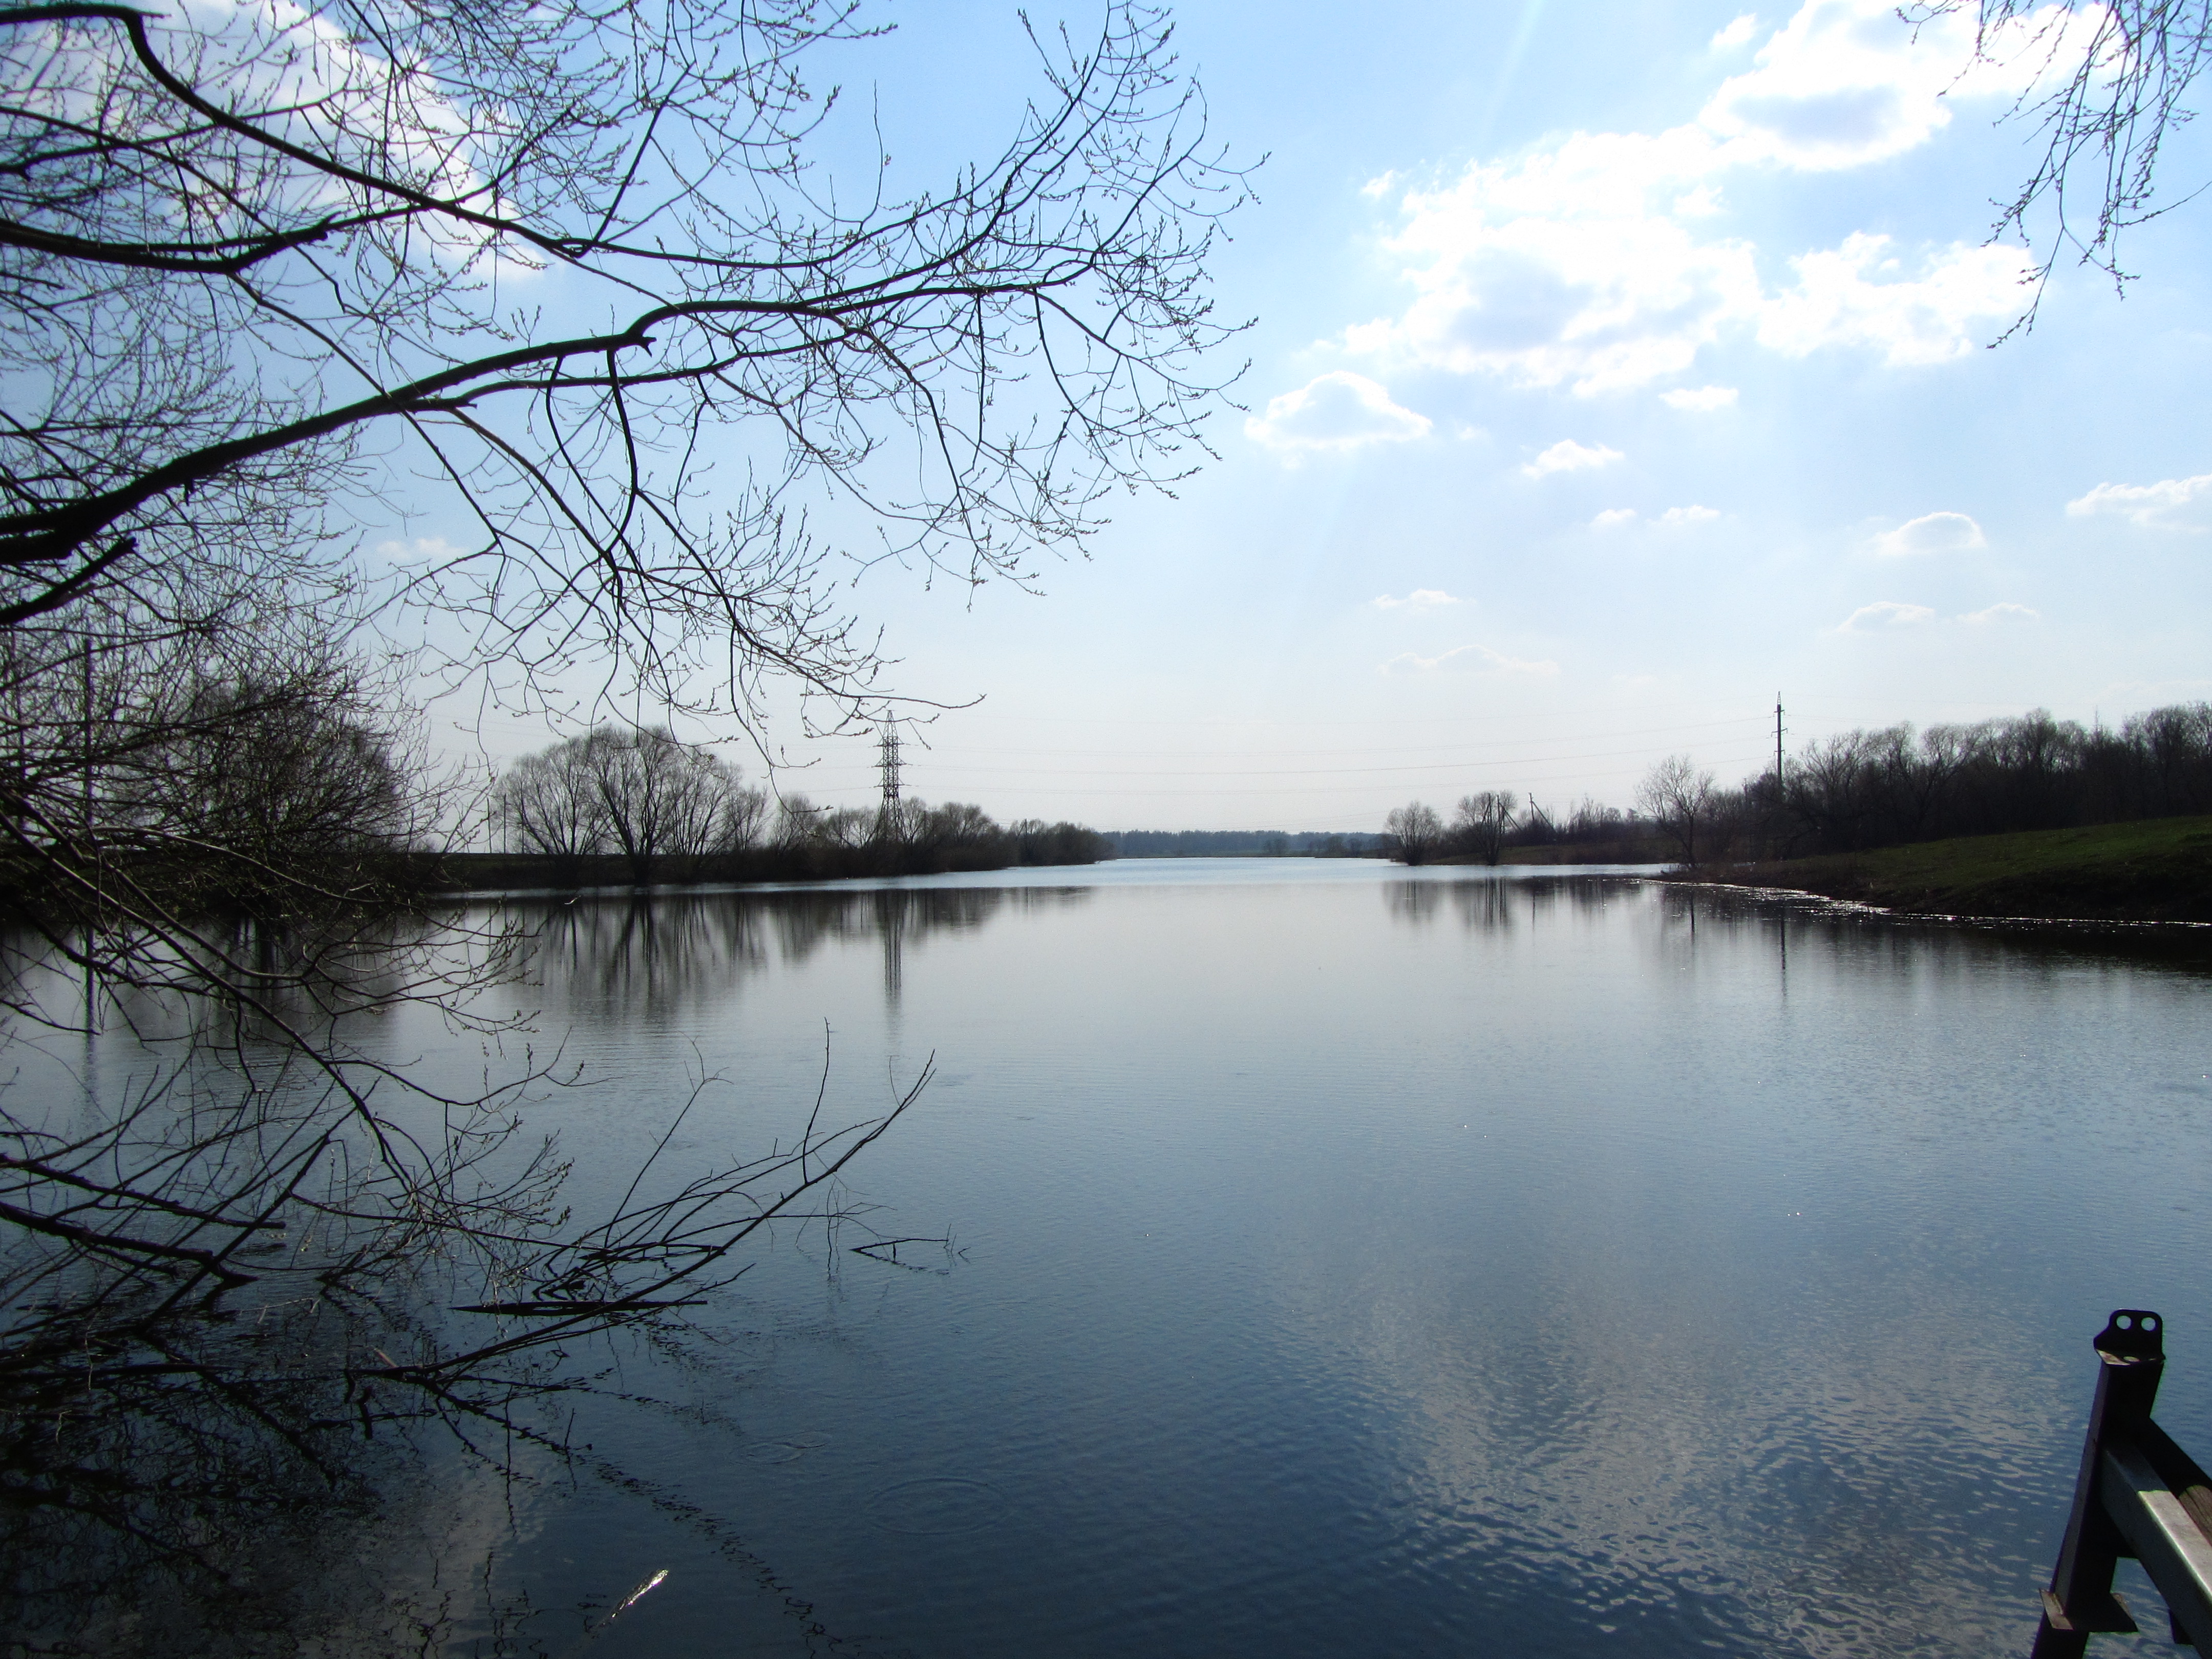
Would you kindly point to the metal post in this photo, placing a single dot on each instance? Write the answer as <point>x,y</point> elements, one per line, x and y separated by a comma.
<point>887,768</point>
<point>1774,823</point>
<point>2131,1349</point>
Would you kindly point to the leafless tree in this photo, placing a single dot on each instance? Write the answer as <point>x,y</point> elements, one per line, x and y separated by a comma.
<point>1483,821</point>
<point>797,821</point>
<point>1680,799</point>
<point>549,803</point>
<point>2175,745</point>
<point>639,792</point>
<point>1416,832</point>
<point>1863,789</point>
<point>2110,84</point>
<point>521,273</point>
<point>557,257</point>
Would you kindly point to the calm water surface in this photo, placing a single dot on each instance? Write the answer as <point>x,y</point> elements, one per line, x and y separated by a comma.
<point>1348,1260</point>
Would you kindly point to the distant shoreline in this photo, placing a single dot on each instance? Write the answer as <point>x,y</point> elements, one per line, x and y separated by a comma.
<point>439,874</point>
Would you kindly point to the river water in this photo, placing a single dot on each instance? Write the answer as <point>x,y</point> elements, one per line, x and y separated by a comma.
<point>1348,1260</point>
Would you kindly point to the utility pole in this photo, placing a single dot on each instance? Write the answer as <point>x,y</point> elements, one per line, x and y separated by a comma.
<point>1774,835</point>
<point>887,767</point>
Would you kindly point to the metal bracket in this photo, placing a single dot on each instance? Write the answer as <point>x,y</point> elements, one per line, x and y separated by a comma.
<point>2132,1333</point>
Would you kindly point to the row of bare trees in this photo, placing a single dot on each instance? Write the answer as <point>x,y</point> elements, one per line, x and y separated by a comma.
<point>1485,824</point>
<point>917,837</point>
<point>241,767</point>
<point>1863,789</point>
<point>638,791</point>
<point>672,809</point>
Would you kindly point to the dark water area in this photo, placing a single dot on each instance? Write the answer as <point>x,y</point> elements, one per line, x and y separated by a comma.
<point>1349,1260</point>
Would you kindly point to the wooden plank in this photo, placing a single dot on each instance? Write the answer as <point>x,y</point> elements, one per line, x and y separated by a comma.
<point>2164,1536</point>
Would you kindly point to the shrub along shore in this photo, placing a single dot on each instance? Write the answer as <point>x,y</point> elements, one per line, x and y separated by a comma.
<point>2155,869</point>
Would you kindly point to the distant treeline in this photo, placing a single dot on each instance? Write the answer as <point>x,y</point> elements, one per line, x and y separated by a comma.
<point>1865,789</point>
<point>1858,791</point>
<point>1241,843</point>
<point>616,803</point>
<point>1485,826</point>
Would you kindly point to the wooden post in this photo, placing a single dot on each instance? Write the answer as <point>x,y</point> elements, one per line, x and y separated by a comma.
<point>2131,1349</point>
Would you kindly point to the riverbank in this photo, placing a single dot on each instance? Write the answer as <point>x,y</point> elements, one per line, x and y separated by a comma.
<point>488,872</point>
<point>1651,851</point>
<point>2158,870</point>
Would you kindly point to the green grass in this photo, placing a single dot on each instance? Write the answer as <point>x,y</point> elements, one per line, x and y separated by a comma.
<point>2157,871</point>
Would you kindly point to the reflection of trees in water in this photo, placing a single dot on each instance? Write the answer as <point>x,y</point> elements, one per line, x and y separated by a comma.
<point>229,1288</point>
<point>647,955</point>
<point>1483,906</point>
<point>805,921</point>
<point>1412,902</point>
<point>208,1411</point>
<point>1847,934</point>
<point>290,979</point>
<point>228,1484</point>
<point>1488,904</point>
<point>227,1439</point>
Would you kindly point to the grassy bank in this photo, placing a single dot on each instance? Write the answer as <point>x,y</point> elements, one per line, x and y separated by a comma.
<point>2155,870</point>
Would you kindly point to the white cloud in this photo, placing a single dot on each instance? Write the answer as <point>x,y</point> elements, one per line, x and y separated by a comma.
<point>1568,456</point>
<point>1737,33</point>
<point>1701,400</point>
<point>1885,613</point>
<point>1857,295</point>
<point>312,81</point>
<point>1931,532</point>
<point>1555,269</point>
<point>1591,261</point>
<point>2171,503</point>
<point>427,549</point>
<point>1421,599</point>
<point>2002,612</point>
<point>1842,83</point>
<point>1379,185</point>
<point>1613,518</point>
<point>1336,411</point>
<point>1468,659</point>
<point>1682,516</point>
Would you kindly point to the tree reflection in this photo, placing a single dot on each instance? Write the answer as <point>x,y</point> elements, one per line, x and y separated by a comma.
<point>236,1481</point>
<point>1483,906</point>
<point>1412,902</point>
<point>645,955</point>
<point>652,956</point>
<point>239,1358</point>
<point>231,1298</point>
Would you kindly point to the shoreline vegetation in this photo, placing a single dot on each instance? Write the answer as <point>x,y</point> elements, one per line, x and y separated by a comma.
<point>637,807</point>
<point>2027,817</point>
<point>2157,870</point>
<point>438,874</point>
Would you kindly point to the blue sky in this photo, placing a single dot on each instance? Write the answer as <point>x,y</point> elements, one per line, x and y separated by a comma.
<point>1614,368</point>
